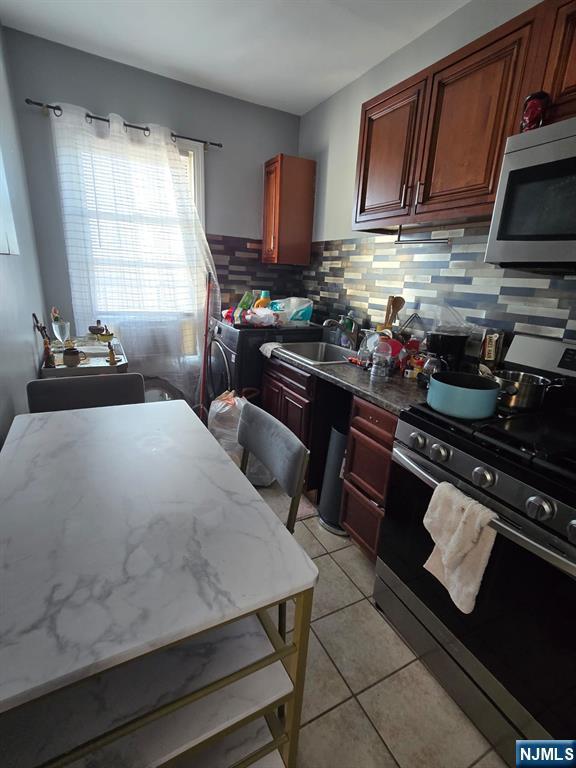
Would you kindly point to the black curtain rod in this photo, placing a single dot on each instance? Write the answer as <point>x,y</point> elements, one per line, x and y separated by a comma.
<point>57,109</point>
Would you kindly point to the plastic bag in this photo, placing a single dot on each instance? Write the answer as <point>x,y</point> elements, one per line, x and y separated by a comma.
<point>223,418</point>
<point>292,310</point>
<point>261,316</point>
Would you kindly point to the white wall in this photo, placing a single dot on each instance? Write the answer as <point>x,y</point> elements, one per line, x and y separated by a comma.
<point>20,292</point>
<point>329,132</point>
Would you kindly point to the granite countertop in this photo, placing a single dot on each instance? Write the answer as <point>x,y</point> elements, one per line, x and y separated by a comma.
<point>393,395</point>
<point>125,529</point>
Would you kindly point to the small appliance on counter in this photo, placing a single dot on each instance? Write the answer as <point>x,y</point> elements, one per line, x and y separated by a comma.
<point>510,664</point>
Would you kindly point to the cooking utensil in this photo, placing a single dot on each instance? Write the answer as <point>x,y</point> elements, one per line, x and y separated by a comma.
<point>388,314</point>
<point>463,395</point>
<point>520,390</point>
<point>397,304</point>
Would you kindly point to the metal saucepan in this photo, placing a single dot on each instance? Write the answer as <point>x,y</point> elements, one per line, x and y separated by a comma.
<point>521,391</point>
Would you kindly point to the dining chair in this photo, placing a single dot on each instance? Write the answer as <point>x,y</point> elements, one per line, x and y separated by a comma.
<point>283,454</point>
<point>70,392</point>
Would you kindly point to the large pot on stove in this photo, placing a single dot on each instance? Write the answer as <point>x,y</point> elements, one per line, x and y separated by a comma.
<point>521,391</point>
<point>463,395</point>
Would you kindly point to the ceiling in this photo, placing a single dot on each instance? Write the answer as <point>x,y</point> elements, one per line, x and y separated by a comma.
<point>287,54</point>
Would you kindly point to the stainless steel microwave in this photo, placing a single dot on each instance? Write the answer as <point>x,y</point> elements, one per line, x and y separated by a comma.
<point>534,221</point>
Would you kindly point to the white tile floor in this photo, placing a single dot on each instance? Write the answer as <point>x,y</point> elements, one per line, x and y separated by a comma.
<point>369,702</point>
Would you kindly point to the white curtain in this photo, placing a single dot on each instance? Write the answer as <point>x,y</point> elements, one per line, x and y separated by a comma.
<point>137,254</point>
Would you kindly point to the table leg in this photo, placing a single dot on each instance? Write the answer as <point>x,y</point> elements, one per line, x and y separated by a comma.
<point>296,668</point>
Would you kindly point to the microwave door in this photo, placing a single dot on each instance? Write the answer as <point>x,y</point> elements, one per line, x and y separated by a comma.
<point>534,221</point>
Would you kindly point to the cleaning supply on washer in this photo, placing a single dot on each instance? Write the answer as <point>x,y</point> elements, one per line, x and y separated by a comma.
<point>243,306</point>
<point>263,301</point>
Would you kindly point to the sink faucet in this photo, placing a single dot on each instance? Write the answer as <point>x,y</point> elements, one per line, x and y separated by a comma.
<point>352,335</point>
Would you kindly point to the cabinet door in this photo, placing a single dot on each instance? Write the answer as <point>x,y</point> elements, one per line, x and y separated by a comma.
<point>271,396</point>
<point>367,465</point>
<point>295,411</point>
<point>361,517</point>
<point>474,105</point>
<point>560,76</point>
<point>389,138</point>
<point>271,211</point>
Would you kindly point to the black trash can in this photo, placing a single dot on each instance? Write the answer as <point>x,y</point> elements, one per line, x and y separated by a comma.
<point>329,507</point>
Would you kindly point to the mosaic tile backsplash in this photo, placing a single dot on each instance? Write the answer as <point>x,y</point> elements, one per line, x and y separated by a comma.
<point>361,273</point>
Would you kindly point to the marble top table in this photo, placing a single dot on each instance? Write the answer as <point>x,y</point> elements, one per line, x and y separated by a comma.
<point>122,530</point>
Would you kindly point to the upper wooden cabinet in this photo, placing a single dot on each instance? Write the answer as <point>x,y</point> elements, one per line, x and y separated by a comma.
<point>473,108</point>
<point>389,141</point>
<point>430,148</point>
<point>560,75</point>
<point>288,210</point>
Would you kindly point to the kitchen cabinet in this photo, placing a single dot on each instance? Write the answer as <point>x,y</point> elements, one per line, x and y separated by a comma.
<point>309,407</point>
<point>560,75</point>
<point>271,395</point>
<point>287,394</point>
<point>390,135</point>
<point>430,148</point>
<point>288,210</point>
<point>368,460</point>
<point>474,107</point>
<point>295,413</point>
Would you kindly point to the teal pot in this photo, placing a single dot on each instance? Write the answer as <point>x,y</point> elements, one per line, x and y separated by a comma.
<point>463,395</point>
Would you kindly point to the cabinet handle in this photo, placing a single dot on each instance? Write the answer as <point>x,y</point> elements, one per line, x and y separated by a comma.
<point>417,196</point>
<point>272,244</point>
<point>403,196</point>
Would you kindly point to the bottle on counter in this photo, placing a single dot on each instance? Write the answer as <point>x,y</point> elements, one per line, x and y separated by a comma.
<point>48,356</point>
<point>381,362</point>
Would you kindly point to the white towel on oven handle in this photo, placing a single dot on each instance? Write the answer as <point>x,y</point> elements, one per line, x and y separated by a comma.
<point>463,542</point>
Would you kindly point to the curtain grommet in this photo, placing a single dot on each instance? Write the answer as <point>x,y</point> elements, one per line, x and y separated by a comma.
<point>58,111</point>
<point>146,131</point>
<point>88,117</point>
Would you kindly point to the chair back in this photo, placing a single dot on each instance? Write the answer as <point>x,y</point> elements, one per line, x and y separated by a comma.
<point>275,446</point>
<point>70,392</point>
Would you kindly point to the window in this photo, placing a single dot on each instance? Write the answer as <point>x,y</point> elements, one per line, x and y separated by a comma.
<point>192,154</point>
<point>8,242</point>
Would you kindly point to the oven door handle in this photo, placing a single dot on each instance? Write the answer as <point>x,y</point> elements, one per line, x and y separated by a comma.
<point>400,458</point>
<point>555,559</point>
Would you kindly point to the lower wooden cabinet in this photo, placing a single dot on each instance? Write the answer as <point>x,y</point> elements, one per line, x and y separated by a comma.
<point>295,413</point>
<point>367,464</point>
<point>361,517</point>
<point>271,396</point>
<point>368,460</point>
<point>287,393</point>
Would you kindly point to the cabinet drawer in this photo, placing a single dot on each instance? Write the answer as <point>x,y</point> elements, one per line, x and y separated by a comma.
<point>374,421</point>
<point>294,378</point>
<point>361,517</point>
<point>368,464</point>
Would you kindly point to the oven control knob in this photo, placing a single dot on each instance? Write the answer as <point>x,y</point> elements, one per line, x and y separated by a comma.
<point>572,531</point>
<point>482,477</point>
<point>539,508</point>
<point>417,440</point>
<point>439,452</point>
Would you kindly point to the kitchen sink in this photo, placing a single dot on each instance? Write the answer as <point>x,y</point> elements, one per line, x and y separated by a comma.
<point>317,352</point>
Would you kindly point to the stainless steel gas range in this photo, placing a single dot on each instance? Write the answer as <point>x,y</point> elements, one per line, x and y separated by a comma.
<point>511,663</point>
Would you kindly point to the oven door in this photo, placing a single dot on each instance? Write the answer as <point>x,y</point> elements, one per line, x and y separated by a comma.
<point>517,646</point>
<point>534,219</point>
